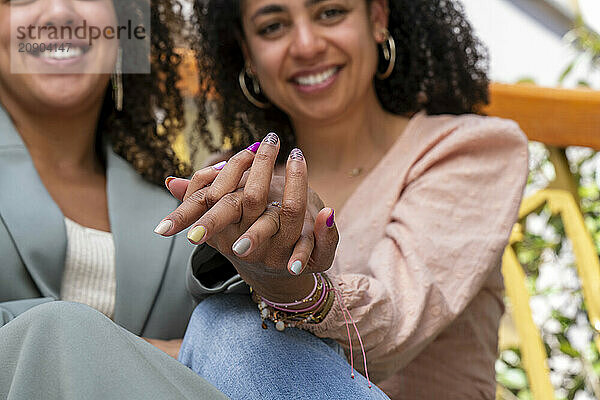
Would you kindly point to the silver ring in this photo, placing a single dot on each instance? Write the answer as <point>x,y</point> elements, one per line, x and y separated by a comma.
<point>275,204</point>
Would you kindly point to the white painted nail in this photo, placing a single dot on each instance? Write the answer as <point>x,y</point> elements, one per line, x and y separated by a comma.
<point>241,246</point>
<point>296,267</point>
<point>163,227</point>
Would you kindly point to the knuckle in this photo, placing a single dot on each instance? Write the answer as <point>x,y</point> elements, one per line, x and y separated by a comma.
<point>196,200</point>
<point>211,197</point>
<point>253,200</point>
<point>232,200</point>
<point>307,240</point>
<point>272,218</point>
<point>197,176</point>
<point>208,220</point>
<point>291,207</point>
<point>178,218</point>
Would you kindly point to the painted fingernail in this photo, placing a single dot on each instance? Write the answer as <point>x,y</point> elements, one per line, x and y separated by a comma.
<point>241,246</point>
<point>163,226</point>
<point>220,165</point>
<point>296,267</point>
<point>271,138</point>
<point>168,180</point>
<point>253,147</point>
<point>196,234</point>
<point>330,219</point>
<point>297,155</point>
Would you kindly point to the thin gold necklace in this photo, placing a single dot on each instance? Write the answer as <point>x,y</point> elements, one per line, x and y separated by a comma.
<point>354,172</point>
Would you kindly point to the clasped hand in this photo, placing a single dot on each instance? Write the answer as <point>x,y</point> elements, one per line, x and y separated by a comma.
<point>273,229</point>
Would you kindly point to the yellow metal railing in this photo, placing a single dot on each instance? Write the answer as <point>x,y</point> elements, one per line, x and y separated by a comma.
<point>559,118</point>
<point>559,202</point>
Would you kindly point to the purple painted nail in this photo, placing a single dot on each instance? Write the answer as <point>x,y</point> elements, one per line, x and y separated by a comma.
<point>220,165</point>
<point>297,155</point>
<point>253,147</point>
<point>329,221</point>
<point>271,138</point>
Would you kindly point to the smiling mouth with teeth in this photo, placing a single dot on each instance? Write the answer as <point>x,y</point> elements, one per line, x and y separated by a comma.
<point>62,52</point>
<point>315,79</point>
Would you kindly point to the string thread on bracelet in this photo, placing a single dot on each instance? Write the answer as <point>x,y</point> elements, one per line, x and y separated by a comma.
<point>345,313</point>
<point>362,348</point>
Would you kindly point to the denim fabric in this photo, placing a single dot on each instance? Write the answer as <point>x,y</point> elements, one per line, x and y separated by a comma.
<point>226,345</point>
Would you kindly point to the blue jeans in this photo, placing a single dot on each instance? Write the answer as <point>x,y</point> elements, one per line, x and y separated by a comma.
<point>226,345</point>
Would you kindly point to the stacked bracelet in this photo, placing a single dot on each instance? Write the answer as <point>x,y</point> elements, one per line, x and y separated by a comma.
<point>289,315</point>
<point>286,315</point>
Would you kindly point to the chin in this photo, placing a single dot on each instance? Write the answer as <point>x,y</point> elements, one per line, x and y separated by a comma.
<point>68,100</point>
<point>321,113</point>
<point>63,91</point>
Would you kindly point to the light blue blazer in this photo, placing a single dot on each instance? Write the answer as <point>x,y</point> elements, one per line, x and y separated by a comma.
<point>151,295</point>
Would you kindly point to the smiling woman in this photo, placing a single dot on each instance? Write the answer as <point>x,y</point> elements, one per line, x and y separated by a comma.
<point>380,97</point>
<point>82,166</point>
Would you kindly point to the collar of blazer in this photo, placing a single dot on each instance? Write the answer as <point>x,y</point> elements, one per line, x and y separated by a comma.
<point>36,225</point>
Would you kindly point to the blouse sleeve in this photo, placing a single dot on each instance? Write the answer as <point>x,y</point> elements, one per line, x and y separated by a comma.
<point>445,235</point>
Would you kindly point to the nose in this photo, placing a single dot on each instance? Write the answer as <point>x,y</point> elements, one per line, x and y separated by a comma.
<point>307,43</point>
<point>57,13</point>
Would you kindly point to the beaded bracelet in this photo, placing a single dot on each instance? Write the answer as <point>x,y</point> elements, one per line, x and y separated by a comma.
<point>319,283</point>
<point>283,316</point>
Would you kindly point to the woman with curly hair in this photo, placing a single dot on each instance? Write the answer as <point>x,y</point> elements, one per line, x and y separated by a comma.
<point>381,96</point>
<point>82,165</point>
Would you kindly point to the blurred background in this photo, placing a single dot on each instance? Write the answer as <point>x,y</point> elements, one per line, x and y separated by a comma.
<point>550,351</point>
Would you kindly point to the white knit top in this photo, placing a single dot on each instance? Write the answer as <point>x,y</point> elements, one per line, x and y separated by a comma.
<point>89,276</point>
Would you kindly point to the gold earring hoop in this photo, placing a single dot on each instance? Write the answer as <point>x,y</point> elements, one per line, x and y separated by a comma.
<point>389,54</point>
<point>117,81</point>
<point>242,80</point>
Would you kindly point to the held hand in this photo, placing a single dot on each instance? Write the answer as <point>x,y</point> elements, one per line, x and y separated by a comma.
<point>206,187</point>
<point>270,244</point>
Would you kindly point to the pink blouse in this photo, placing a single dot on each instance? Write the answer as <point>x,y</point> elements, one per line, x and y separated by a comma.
<point>418,263</point>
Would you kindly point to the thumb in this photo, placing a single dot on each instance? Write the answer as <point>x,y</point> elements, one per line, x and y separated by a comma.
<point>326,239</point>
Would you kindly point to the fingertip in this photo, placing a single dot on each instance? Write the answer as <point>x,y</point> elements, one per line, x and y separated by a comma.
<point>178,187</point>
<point>196,234</point>
<point>163,227</point>
<point>330,221</point>
<point>271,138</point>
<point>219,166</point>
<point>296,268</point>
<point>296,155</point>
<point>325,217</point>
<point>168,180</point>
<point>241,246</point>
<point>253,147</point>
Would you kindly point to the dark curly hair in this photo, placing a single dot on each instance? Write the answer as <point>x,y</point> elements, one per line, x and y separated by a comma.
<point>441,68</point>
<point>152,117</point>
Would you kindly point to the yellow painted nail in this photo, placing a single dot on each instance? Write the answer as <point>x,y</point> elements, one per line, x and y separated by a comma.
<point>196,233</point>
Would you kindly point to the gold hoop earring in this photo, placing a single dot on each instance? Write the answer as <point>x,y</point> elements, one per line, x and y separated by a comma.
<point>117,81</point>
<point>389,54</point>
<point>242,80</point>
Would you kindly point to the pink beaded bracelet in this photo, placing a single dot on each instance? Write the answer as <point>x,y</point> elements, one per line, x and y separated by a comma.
<point>315,306</point>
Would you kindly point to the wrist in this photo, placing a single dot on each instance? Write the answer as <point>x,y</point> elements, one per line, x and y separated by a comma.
<point>283,289</point>
<point>277,286</point>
